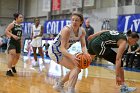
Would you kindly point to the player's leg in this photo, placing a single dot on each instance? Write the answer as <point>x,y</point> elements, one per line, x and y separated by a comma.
<point>71,77</point>
<point>34,53</point>
<point>18,51</point>
<point>11,58</point>
<point>41,53</point>
<point>15,62</point>
<point>39,45</point>
<point>110,55</point>
<point>34,45</point>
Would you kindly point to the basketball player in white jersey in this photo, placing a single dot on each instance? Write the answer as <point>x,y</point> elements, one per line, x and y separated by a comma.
<point>57,51</point>
<point>37,32</point>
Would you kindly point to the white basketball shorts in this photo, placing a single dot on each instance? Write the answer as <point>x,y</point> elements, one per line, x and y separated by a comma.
<point>55,54</point>
<point>37,42</point>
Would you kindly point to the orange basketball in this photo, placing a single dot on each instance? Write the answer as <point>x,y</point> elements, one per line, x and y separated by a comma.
<point>84,61</point>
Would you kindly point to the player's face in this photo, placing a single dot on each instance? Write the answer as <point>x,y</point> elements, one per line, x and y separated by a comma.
<point>76,21</point>
<point>37,21</point>
<point>20,18</point>
<point>133,41</point>
<point>87,22</point>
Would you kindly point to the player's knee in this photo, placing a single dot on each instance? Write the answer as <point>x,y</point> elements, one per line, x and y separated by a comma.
<point>17,56</point>
<point>12,54</point>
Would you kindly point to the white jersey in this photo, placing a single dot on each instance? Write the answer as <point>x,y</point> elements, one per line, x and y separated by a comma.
<point>55,46</point>
<point>72,39</point>
<point>36,30</point>
<point>36,42</point>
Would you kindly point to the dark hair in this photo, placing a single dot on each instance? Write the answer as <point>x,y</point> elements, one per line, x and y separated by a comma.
<point>132,34</point>
<point>79,15</point>
<point>36,18</point>
<point>15,15</point>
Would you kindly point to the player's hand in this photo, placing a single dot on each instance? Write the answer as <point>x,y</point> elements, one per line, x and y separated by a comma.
<point>75,60</point>
<point>87,54</point>
<point>118,80</point>
<point>90,37</point>
<point>15,37</point>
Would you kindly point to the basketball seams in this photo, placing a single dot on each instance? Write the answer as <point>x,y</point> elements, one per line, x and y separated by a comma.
<point>84,60</point>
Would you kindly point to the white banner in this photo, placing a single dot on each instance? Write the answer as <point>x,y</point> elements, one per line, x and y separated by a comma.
<point>65,4</point>
<point>88,2</point>
<point>76,3</point>
<point>46,6</point>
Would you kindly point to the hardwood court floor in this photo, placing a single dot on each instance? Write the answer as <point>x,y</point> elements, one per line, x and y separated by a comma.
<point>95,79</point>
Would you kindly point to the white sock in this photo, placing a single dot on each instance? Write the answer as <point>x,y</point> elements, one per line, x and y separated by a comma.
<point>71,89</point>
<point>8,69</point>
<point>13,65</point>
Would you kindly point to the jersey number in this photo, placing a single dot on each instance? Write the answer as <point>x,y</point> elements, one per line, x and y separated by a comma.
<point>19,33</point>
<point>114,32</point>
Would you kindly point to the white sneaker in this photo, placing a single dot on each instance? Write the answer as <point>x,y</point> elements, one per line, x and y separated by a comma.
<point>36,64</point>
<point>41,67</point>
<point>58,86</point>
<point>43,61</point>
<point>126,89</point>
<point>71,90</point>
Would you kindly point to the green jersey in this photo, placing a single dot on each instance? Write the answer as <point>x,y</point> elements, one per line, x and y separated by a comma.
<point>99,44</point>
<point>109,38</point>
<point>16,30</point>
<point>16,44</point>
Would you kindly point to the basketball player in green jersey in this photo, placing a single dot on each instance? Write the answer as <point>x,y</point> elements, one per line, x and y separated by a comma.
<point>14,31</point>
<point>100,44</point>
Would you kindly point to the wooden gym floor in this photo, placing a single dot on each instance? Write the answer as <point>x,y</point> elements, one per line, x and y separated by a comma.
<point>98,78</point>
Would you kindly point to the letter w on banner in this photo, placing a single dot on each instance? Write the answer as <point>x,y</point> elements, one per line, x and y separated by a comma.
<point>126,22</point>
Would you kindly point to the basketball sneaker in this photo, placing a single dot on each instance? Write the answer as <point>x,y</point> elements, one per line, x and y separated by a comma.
<point>43,62</point>
<point>14,69</point>
<point>36,64</point>
<point>41,67</point>
<point>9,73</point>
<point>58,86</point>
<point>126,89</point>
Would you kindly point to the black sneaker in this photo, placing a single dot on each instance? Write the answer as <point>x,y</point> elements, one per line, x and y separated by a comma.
<point>9,73</point>
<point>14,69</point>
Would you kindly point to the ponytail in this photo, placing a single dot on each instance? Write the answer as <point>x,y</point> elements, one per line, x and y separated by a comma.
<point>128,32</point>
<point>132,34</point>
<point>15,15</point>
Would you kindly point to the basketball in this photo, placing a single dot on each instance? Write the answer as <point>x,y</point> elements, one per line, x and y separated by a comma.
<point>84,61</point>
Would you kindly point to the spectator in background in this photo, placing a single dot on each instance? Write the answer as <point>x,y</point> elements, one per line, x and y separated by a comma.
<point>137,65</point>
<point>0,41</point>
<point>130,54</point>
<point>46,46</point>
<point>106,25</point>
<point>51,36</point>
<point>4,42</point>
<point>89,30</point>
<point>29,47</point>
